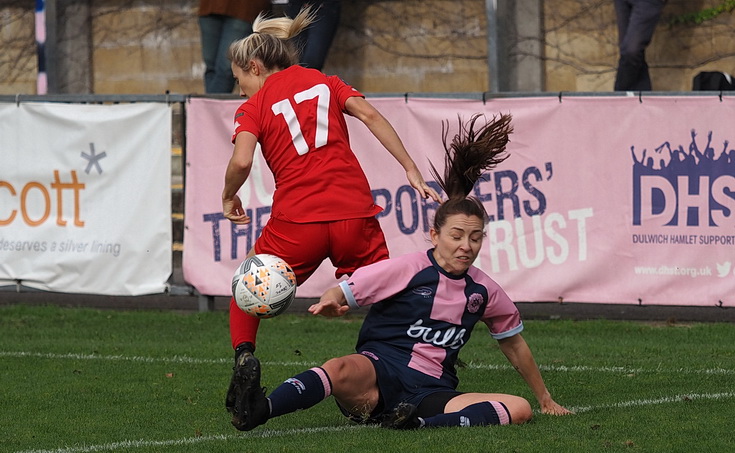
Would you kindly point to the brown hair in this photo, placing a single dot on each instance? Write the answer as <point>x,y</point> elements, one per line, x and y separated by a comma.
<point>271,42</point>
<point>469,154</point>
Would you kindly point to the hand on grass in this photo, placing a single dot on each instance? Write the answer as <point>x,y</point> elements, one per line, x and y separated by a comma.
<point>551,407</point>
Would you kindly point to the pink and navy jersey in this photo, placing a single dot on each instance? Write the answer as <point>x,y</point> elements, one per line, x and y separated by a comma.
<point>420,316</point>
<point>298,119</point>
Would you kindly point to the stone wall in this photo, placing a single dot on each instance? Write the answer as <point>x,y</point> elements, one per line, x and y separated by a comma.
<point>581,46</point>
<point>151,48</point>
<point>388,46</point>
<point>18,66</point>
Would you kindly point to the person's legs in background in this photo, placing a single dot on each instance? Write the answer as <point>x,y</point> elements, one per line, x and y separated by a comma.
<point>637,20</point>
<point>217,33</point>
<point>210,29</point>
<point>317,39</point>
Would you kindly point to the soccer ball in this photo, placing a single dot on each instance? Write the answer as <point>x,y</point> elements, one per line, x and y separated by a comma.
<point>264,286</point>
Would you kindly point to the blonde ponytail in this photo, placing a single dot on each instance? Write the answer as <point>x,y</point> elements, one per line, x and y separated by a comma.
<point>271,42</point>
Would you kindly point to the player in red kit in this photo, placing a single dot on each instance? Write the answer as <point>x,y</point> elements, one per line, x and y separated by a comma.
<point>322,206</point>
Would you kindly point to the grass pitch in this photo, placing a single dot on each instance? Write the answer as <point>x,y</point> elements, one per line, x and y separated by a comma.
<point>83,380</point>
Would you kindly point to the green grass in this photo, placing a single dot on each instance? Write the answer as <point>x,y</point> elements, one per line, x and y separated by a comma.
<point>80,380</point>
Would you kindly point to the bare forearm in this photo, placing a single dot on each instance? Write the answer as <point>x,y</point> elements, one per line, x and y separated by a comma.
<point>520,356</point>
<point>235,177</point>
<point>238,168</point>
<point>381,128</point>
<point>388,137</point>
<point>528,369</point>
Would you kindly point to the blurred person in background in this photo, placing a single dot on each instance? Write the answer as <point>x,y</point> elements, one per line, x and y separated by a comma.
<point>637,20</point>
<point>315,41</point>
<point>221,22</point>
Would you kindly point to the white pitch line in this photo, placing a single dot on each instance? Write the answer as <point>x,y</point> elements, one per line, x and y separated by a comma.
<point>132,444</point>
<point>142,359</point>
<point>609,369</point>
<point>471,365</point>
<point>662,400</point>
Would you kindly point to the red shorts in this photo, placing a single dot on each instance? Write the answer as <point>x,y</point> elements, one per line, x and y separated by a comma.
<point>349,244</point>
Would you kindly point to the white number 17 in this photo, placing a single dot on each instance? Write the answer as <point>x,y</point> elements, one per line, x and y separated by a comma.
<point>284,107</point>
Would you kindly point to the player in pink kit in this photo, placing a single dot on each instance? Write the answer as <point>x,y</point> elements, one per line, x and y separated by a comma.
<point>322,206</point>
<point>423,308</point>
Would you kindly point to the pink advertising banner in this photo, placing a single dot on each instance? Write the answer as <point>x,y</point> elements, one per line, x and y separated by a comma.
<point>603,199</point>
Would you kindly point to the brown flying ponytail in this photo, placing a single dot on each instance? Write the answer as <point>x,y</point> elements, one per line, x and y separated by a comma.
<point>473,150</point>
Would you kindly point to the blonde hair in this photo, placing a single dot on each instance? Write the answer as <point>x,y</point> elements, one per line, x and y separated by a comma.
<point>271,42</point>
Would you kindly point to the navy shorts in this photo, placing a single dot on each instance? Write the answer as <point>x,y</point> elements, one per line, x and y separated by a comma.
<point>398,383</point>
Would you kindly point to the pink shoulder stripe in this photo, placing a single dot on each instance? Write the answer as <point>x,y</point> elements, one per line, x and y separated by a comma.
<point>381,280</point>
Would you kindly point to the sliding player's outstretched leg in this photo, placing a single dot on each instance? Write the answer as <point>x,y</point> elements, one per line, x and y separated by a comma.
<point>404,416</point>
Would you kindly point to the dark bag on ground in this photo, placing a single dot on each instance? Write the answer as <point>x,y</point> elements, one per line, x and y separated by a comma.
<point>713,81</point>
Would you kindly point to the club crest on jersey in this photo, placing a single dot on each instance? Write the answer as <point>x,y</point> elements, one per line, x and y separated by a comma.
<point>474,303</point>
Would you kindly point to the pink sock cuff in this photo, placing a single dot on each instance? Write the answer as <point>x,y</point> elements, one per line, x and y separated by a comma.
<point>324,377</point>
<point>502,411</point>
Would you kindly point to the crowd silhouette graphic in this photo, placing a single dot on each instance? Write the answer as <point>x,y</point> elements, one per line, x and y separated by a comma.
<point>703,170</point>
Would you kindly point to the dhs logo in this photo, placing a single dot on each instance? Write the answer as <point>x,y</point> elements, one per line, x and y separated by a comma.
<point>678,186</point>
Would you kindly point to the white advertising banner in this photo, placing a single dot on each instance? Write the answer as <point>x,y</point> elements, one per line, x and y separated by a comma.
<point>85,197</point>
<point>603,199</point>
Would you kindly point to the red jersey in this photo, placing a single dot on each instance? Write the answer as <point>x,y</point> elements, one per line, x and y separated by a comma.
<point>298,118</point>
